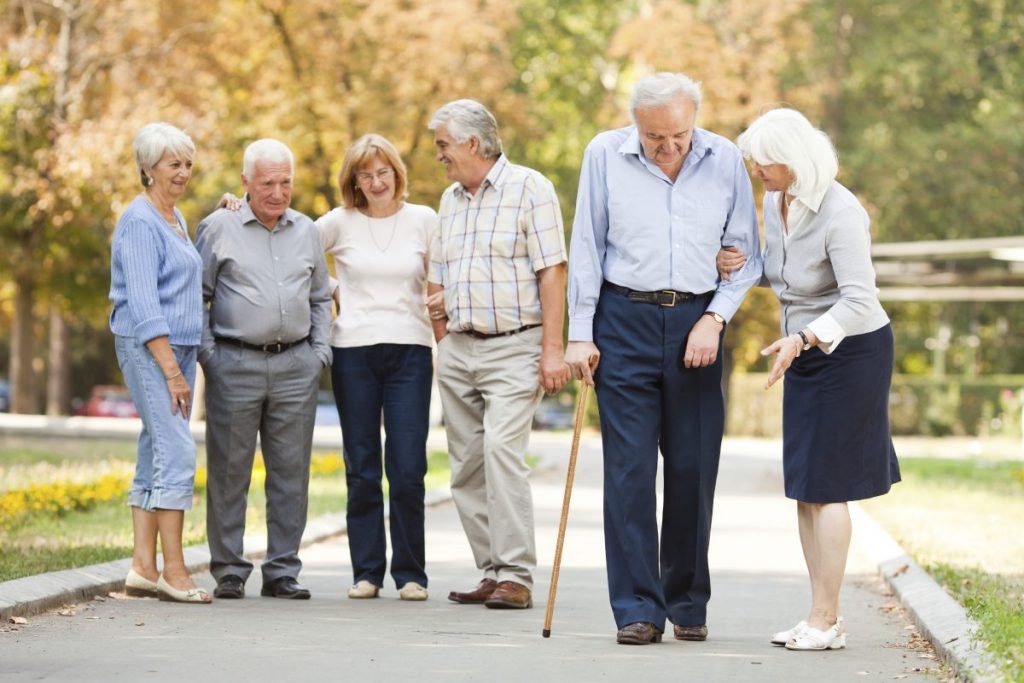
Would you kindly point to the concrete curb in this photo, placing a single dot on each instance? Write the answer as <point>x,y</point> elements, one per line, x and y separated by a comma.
<point>940,618</point>
<point>33,595</point>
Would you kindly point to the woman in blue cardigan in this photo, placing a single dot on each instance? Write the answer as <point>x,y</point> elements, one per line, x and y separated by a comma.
<point>157,319</point>
<point>836,353</point>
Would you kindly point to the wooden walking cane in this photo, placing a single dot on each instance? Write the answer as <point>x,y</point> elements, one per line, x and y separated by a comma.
<point>580,406</point>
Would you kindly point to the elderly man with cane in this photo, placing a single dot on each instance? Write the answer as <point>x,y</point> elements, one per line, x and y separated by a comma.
<point>656,202</point>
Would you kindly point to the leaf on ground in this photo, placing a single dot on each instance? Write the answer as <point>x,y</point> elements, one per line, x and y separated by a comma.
<point>21,621</point>
<point>99,598</point>
<point>902,569</point>
<point>66,612</point>
<point>140,623</point>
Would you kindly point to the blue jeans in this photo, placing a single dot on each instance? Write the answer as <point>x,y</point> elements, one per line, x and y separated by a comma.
<point>165,465</point>
<point>393,379</point>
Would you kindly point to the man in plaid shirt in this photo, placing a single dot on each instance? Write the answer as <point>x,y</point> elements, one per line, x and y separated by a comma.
<point>497,280</point>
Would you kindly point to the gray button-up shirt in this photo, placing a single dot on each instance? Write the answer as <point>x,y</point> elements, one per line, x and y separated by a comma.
<point>263,286</point>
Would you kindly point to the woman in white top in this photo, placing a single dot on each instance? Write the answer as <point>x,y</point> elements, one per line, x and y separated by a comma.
<point>383,364</point>
<point>382,343</point>
<point>836,355</point>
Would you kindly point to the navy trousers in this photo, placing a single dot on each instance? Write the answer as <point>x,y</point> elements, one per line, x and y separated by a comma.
<point>393,379</point>
<point>648,400</point>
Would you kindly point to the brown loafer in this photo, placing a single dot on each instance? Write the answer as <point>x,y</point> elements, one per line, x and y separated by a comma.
<point>510,595</point>
<point>639,633</point>
<point>690,632</point>
<point>476,596</point>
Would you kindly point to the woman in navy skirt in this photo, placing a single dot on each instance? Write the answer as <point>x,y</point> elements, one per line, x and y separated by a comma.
<point>836,353</point>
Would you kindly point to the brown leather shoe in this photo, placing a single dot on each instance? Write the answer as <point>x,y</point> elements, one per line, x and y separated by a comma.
<point>639,633</point>
<point>476,596</point>
<point>690,632</point>
<point>510,595</point>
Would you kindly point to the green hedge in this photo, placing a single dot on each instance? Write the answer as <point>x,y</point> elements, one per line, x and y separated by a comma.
<point>985,406</point>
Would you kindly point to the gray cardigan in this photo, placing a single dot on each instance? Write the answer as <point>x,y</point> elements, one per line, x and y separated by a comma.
<point>824,266</point>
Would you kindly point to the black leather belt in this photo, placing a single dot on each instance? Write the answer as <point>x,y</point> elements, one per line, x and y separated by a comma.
<point>265,348</point>
<point>662,297</point>
<point>492,335</point>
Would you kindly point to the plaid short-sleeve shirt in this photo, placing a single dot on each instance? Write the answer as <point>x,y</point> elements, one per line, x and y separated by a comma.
<point>489,247</point>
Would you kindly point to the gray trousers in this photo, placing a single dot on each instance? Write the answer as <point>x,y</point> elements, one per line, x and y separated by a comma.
<point>489,389</point>
<point>274,395</point>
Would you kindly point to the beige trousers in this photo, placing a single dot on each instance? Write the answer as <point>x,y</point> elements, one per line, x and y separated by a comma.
<point>489,391</point>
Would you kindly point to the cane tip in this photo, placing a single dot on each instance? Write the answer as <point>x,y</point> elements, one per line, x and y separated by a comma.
<point>546,633</point>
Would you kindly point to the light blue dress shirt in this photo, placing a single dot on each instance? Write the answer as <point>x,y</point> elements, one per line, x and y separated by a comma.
<point>636,228</point>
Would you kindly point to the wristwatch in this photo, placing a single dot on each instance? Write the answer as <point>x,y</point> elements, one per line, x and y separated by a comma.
<point>717,318</point>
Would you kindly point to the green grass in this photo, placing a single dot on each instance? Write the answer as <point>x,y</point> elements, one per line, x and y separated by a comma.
<point>50,543</point>
<point>963,520</point>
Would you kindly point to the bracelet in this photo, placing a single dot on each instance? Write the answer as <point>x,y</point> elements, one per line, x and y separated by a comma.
<point>176,375</point>
<point>807,344</point>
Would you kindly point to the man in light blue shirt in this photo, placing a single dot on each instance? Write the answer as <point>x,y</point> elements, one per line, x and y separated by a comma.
<point>647,311</point>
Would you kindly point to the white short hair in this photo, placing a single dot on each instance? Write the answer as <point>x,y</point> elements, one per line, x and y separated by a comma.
<point>267,150</point>
<point>156,139</point>
<point>467,119</point>
<point>785,136</point>
<point>660,89</point>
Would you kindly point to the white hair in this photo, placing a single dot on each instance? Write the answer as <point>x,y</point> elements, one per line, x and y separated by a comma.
<point>467,119</point>
<point>785,136</point>
<point>662,88</point>
<point>268,151</point>
<point>153,141</point>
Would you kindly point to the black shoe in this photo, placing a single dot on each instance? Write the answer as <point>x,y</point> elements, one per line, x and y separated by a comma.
<point>229,587</point>
<point>285,587</point>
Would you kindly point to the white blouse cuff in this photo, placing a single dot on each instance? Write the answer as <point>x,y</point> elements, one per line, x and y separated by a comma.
<point>828,332</point>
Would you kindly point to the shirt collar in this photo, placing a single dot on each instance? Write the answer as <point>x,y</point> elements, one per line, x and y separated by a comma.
<point>495,177</point>
<point>698,144</point>
<point>247,216</point>
<point>813,200</point>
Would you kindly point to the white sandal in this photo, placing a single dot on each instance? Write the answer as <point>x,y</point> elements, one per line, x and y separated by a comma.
<point>783,637</point>
<point>833,638</point>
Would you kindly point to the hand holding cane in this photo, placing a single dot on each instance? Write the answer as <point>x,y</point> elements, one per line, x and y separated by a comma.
<point>580,407</point>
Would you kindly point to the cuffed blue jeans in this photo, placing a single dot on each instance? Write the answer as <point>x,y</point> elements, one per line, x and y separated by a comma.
<point>165,463</point>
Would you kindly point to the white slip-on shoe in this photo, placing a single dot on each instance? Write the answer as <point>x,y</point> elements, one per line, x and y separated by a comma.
<point>138,586</point>
<point>169,593</point>
<point>783,637</point>
<point>363,590</point>
<point>412,591</point>
<point>832,638</point>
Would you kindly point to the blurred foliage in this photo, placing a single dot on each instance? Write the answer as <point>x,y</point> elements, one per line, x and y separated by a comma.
<point>923,100</point>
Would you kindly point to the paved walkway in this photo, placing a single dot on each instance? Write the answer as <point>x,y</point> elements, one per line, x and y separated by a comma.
<point>757,573</point>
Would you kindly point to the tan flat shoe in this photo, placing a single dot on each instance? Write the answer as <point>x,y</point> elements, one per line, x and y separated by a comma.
<point>169,593</point>
<point>413,592</point>
<point>363,590</point>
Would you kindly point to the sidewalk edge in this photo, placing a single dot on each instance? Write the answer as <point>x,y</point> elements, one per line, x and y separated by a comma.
<point>33,595</point>
<point>940,618</point>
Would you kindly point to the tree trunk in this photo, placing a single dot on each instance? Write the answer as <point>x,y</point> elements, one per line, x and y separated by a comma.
<point>23,384</point>
<point>58,381</point>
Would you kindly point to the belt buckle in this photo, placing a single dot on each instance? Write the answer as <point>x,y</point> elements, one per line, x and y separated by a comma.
<point>273,348</point>
<point>670,303</point>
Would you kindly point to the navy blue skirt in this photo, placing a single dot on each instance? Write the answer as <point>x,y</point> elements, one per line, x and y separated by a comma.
<point>835,421</point>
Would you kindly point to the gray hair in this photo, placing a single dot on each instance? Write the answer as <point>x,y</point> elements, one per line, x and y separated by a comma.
<point>155,140</point>
<point>267,150</point>
<point>785,136</point>
<point>467,119</point>
<point>660,89</point>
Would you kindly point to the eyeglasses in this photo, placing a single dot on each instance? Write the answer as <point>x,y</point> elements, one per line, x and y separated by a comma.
<point>383,174</point>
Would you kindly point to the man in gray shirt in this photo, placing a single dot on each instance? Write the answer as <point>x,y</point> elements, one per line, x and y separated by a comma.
<point>265,342</point>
